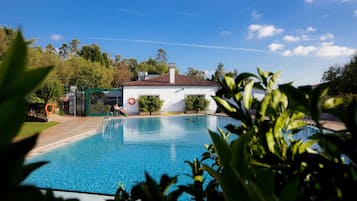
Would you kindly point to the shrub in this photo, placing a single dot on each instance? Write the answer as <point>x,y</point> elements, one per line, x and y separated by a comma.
<point>150,104</point>
<point>143,106</point>
<point>189,103</point>
<point>196,103</point>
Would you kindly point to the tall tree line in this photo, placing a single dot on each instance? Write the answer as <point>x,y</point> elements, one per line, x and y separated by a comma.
<point>343,79</point>
<point>87,66</point>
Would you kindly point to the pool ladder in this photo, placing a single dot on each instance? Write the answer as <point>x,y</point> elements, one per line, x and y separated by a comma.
<point>106,127</point>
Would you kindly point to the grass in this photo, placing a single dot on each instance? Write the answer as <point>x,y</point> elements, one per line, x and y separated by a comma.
<point>31,128</point>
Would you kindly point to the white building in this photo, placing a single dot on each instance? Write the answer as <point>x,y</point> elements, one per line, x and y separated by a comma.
<point>172,88</point>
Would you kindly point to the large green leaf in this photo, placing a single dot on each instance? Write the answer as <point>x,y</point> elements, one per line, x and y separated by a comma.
<point>306,145</point>
<point>242,77</point>
<point>222,148</point>
<point>14,62</point>
<point>229,83</point>
<point>297,97</point>
<point>315,101</point>
<point>297,124</point>
<point>270,141</point>
<point>12,115</point>
<point>264,76</point>
<point>32,78</point>
<point>14,155</point>
<point>332,103</point>
<point>223,104</point>
<point>273,80</point>
<point>247,96</point>
<point>29,168</point>
<point>291,191</point>
<point>240,160</point>
<point>264,107</point>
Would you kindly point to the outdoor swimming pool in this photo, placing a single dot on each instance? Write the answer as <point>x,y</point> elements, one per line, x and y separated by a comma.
<point>126,149</point>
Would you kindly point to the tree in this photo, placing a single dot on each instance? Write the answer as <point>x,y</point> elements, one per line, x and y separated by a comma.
<point>117,59</point>
<point>50,49</point>
<point>87,74</point>
<point>106,61</point>
<point>219,73</point>
<point>92,53</point>
<point>122,74</point>
<point>51,89</point>
<point>161,56</point>
<point>6,36</point>
<point>74,50</point>
<point>343,79</point>
<point>63,51</point>
<point>196,74</point>
<point>152,66</point>
<point>39,58</point>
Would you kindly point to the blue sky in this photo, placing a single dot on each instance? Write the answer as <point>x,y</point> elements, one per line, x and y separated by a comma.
<point>302,38</point>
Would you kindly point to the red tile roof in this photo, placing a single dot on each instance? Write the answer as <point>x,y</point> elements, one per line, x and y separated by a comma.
<point>164,80</point>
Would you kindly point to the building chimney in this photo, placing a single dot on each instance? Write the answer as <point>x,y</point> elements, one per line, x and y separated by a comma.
<point>172,71</point>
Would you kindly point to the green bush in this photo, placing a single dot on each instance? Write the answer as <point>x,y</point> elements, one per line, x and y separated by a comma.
<point>150,104</point>
<point>190,103</point>
<point>143,106</point>
<point>196,103</point>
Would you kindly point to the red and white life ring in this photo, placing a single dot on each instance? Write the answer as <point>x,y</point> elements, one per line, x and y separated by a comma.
<point>49,108</point>
<point>131,101</point>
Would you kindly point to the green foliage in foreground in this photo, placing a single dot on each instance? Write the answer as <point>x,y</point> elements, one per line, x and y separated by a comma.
<point>15,83</point>
<point>31,128</point>
<point>266,162</point>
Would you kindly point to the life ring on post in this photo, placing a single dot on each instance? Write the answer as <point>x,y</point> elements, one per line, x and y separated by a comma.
<point>49,108</point>
<point>131,101</point>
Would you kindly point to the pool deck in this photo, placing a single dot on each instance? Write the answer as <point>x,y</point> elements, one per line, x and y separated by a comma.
<point>68,130</point>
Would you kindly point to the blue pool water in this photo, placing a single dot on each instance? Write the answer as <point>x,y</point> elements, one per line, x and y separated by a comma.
<point>126,149</point>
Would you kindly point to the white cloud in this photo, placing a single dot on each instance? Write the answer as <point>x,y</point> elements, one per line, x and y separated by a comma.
<point>310,29</point>
<point>300,51</point>
<point>323,50</point>
<point>289,38</point>
<point>263,31</point>
<point>56,37</point>
<point>305,37</point>
<point>276,47</point>
<point>256,15</point>
<point>309,1</point>
<point>225,33</point>
<point>355,13</point>
<point>331,50</point>
<point>327,36</point>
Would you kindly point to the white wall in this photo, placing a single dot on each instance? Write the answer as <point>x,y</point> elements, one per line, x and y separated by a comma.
<point>173,96</point>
